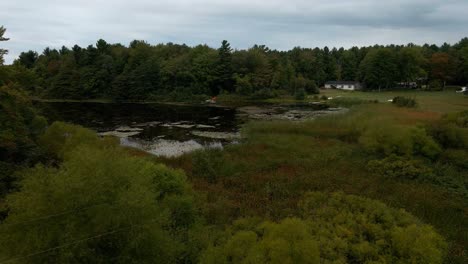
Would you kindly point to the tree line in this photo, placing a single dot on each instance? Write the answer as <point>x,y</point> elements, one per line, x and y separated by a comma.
<point>141,71</point>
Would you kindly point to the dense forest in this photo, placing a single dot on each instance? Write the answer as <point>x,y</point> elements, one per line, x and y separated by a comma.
<point>143,71</point>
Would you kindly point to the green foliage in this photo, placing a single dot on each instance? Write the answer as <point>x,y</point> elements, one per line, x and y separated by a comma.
<point>99,204</point>
<point>352,229</point>
<point>2,51</point>
<point>20,126</point>
<point>264,94</point>
<point>411,64</point>
<point>402,101</point>
<point>224,73</point>
<point>286,242</point>
<point>449,135</point>
<point>457,157</point>
<point>61,138</point>
<point>305,84</point>
<point>450,173</point>
<point>206,164</point>
<point>300,94</point>
<point>379,69</point>
<point>28,59</point>
<point>402,168</point>
<point>335,228</point>
<point>243,85</point>
<point>8,179</point>
<point>349,101</point>
<point>460,119</point>
<point>451,131</point>
<point>390,139</point>
<point>141,71</point>
<point>435,85</point>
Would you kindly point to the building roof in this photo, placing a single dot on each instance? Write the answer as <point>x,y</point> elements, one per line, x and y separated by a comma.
<point>341,82</point>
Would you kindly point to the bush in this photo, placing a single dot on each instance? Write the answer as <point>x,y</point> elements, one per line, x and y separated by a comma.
<point>61,138</point>
<point>456,157</point>
<point>334,228</point>
<point>451,175</point>
<point>181,94</point>
<point>459,119</point>
<point>250,242</point>
<point>20,127</point>
<point>97,191</point>
<point>300,94</point>
<point>8,178</point>
<point>353,229</point>
<point>311,87</point>
<point>404,102</point>
<point>423,144</point>
<point>264,93</point>
<point>207,164</point>
<point>451,131</point>
<point>388,139</point>
<point>395,167</point>
<point>324,97</point>
<point>243,85</point>
<point>435,85</point>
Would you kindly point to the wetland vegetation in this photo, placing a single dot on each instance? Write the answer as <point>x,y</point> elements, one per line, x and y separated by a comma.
<point>285,176</point>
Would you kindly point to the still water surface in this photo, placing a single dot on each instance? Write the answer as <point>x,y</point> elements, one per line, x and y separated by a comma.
<point>160,129</point>
<point>171,130</point>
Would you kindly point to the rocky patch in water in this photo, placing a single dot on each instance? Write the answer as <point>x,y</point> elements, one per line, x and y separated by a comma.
<point>167,148</point>
<point>292,113</point>
<point>217,135</point>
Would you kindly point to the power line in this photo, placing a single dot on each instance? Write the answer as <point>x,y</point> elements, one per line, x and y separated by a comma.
<point>50,216</point>
<point>75,242</point>
<point>45,217</point>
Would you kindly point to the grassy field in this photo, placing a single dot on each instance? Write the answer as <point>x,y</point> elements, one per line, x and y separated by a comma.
<point>442,102</point>
<point>279,161</point>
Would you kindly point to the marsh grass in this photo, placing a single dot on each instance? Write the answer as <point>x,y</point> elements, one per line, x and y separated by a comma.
<point>279,161</point>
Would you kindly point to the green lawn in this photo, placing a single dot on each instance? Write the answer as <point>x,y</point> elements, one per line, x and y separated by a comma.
<point>442,102</point>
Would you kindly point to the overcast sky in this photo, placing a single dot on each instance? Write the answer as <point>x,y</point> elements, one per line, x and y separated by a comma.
<point>279,24</point>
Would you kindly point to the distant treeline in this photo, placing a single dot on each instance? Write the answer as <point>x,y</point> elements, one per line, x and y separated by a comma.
<point>143,71</point>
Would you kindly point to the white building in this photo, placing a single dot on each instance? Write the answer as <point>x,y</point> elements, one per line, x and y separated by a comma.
<point>343,85</point>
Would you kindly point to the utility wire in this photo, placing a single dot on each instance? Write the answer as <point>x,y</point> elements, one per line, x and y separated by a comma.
<point>49,216</point>
<point>74,242</point>
<point>45,217</point>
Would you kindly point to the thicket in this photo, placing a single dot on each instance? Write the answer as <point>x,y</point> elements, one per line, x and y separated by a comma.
<point>402,101</point>
<point>20,128</point>
<point>333,228</point>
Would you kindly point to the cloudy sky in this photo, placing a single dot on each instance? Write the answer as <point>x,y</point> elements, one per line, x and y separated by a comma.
<point>279,24</point>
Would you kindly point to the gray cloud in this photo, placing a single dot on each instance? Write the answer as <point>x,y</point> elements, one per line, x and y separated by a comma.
<point>279,24</point>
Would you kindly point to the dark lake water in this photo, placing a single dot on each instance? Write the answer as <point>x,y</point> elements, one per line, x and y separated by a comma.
<point>167,129</point>
<point>175,128</point>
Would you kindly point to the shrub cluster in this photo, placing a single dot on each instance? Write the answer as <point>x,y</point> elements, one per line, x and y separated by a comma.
<point>451,131</point>
<point>333,228</point>
<point>300,94</point>
<point>398,140</point>
<point>264,93</point>
<point>402,101</point>
<point>395,167</point>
